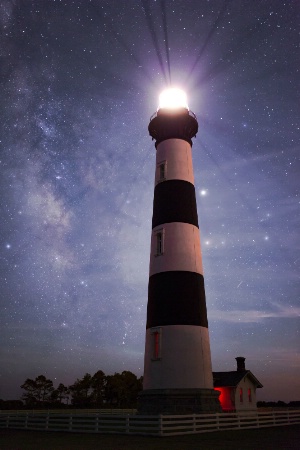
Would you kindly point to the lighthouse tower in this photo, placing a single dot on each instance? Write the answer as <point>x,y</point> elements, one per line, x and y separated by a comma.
<point>177,368</point>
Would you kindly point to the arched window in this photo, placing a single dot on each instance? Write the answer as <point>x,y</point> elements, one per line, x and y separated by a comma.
<point>161,171</point>
<point>156,344</point>
<point>159,242</point>
<point>250,395</point>
<point>241,395</point>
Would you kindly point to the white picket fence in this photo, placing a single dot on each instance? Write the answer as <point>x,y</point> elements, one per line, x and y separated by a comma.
<point>162,425</point>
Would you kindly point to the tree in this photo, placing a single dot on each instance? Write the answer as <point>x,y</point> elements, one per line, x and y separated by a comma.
<point>60,394</point>
<point>38,391</point>
<point>113,389</point>
<point>98,382</point>
<point>121,390</point>
<point>81,391</point>
<point>131,387</point>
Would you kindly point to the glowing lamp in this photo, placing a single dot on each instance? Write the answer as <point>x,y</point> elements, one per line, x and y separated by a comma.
<point>173,98</point>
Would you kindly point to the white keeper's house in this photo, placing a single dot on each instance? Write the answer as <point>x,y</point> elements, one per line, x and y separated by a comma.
<point>237,388</point>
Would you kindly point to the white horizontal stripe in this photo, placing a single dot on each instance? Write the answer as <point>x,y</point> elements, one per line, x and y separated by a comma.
<point>185,360</point>
<point>181,249</point>
<point>177,155</point>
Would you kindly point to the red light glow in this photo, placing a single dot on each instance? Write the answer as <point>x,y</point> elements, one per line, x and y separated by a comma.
<point>156,345</point>
<point>225,398</point>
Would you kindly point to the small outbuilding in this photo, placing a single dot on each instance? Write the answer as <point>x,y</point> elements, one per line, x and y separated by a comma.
<point>237,388</point>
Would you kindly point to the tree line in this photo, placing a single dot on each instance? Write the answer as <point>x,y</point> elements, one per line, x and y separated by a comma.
<point>91,391</point>
<point>279,404</point>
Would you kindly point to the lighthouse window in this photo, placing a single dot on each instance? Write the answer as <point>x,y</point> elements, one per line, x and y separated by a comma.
<point>156,342</point>
<point>159,236</point>
<point>161,171</point>
<point>162,168</point>
<point>159,243</point>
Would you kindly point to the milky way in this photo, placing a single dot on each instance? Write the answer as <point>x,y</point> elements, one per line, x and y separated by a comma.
<point>79,82</point>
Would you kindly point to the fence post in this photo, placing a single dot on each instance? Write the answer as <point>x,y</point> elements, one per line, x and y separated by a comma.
<point>97,423</point>
<point>70,422</point>
<point>218,421</point>
<point>257,420</point>
<point>160,425</point>
<point>47,421</point>
<point>194,423</point>
<point>127,424</point>
<point>239,420</point>
<point>26,420</point>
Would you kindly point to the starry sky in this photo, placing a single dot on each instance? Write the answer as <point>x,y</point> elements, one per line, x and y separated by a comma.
<point>79,82</point>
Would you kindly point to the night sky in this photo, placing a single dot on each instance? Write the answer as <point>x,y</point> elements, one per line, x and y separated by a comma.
<point>79,82</point>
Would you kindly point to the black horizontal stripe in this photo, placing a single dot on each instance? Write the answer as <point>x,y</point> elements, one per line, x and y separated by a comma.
<point>176,298</point>
<point>174,201</point>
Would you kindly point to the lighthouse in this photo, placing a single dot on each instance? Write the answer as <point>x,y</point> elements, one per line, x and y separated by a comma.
<point>177,366</point>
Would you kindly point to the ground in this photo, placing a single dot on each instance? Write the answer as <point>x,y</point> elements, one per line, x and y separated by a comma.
<point>275,438</point>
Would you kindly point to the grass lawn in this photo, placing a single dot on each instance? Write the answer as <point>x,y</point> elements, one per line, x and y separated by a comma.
<point>285,438</point>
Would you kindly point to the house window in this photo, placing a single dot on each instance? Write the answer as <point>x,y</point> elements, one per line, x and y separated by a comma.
<point>156,343</point>
<point>241,395</point>
<point>250,395</point>
<point>159,242</point>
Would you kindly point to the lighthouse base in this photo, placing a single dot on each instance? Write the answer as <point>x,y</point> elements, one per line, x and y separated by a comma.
<point>178,401</point>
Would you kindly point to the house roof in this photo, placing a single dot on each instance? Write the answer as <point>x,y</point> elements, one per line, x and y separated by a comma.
<point>232,379</point>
